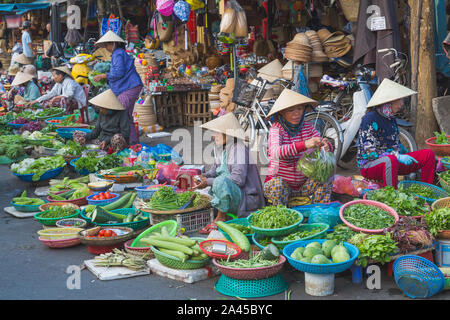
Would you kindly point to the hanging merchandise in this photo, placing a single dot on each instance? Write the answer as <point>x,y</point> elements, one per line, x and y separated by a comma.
<point>182,9</point>
<point>165,7</point>
<point>241,30</point>
<point>196,4</point>
<point>112,23</point>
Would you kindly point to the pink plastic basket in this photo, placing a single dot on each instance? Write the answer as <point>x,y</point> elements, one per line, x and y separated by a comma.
<point>251,273</point>
<point>440,150</point>
<point>61,243</point>
<point>368,203</point>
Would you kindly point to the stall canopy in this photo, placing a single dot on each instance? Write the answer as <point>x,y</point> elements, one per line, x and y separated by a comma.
<point>21,8</point>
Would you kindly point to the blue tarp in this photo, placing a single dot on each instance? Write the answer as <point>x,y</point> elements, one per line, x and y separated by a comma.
<point>7,7</point>
<point>20,8</point>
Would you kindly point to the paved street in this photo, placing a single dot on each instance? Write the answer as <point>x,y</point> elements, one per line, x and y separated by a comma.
<point>30,270</point>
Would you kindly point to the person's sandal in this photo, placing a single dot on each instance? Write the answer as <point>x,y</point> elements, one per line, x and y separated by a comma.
<point>210,227</point>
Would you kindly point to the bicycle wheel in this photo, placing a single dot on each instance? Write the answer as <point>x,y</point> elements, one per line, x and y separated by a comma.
<point>328,128</point>
<point>407,140</point>
<point>247,123</point>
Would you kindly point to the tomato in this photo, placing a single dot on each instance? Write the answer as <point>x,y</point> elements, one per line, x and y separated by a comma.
<point>101,233</point>
<point>113,234</point>
<point>108,233</point>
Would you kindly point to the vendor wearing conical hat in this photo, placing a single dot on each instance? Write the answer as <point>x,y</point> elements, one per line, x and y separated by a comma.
<point>112,129</point>
<point>289,138</point>
<point>234,179</point>
<point>24,85</point>
<point>123,78</point>
<point>66,92</point>
<point>381,156</point>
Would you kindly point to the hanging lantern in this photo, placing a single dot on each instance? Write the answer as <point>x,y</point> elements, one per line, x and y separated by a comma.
<point>165,7</point>
<point>182,9</point>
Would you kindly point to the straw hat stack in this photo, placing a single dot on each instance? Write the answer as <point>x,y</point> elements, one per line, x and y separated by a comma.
<point>144,113</point>
<point>140,69</point>
<point>226,96</point>
<point>317,55</point>
<point>335,44</point>
<point>271,71</point>
<point>214,97</point>
<point>299,49</point>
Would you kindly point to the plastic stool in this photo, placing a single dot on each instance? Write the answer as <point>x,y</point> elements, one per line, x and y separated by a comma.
<point>356,274</point>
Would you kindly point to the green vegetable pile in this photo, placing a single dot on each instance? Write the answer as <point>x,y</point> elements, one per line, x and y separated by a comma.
<point>255,260</point>
<point>368,217</point>
<point>58,212</point>
<point>319,166</point>
<point>377,248</point>
<point>50,112</point>
<point>71,148</point>
<point>419,190</point>
<point>445,176</point>
<point>12,146</point>
<point>341,233</point>
<point>241,228</point>
<point>437,220</point>
<point>274,217</point>
<point>94,164</point>
<point>301,234</point>
<point>24,200</point>
<point>327,252</point>
<point>38,167</point>
<point>165,199</point>
<point>402,201</point>
<point>441,138</point>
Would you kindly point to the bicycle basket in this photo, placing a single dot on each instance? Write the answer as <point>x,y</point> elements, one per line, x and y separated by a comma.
<point>244,93</point>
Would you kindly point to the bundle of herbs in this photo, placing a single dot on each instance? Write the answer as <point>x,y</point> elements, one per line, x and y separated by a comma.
<point>319,165</point>
<point>410,234</point>
<point>438,220</point>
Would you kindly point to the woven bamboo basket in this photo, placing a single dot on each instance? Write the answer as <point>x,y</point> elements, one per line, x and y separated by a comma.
<point>350,9</point>
<point>441,203</point>
<point>107,241</point>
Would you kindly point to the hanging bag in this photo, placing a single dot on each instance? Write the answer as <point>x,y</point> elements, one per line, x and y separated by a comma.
<point>112,23</point>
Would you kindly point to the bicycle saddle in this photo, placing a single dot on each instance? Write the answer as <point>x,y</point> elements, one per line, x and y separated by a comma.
<point>329,81</point>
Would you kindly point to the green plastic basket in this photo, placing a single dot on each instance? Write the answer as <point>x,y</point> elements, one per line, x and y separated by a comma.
<point>302,227</point>
<point>242,222</point>
<point>276,232</point>
<point>6,161</point>
<point>171,225</point>
<point>135,225</point>
<point>251,288</point>
<point>52,221</point>
<point>256,239</point>
<point>56,115</point>
<point>175,263</point>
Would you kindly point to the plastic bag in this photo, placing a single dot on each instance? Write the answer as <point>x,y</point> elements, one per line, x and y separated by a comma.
<point>228,22</point>
<point>318,165</point>
<point>328,215</point>
<point>344,185</point>
<point>241,30</point>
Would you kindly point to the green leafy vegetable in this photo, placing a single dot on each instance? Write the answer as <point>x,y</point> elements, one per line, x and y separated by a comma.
<point>368,217</point>
<point>441,138</point>
<point>319,165</point>
<point>437,220</point>
<point>274,217</point>
<point>377,248</point>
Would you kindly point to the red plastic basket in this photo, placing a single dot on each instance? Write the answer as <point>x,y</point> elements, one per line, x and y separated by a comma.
<point>369,203</point>
<point>251,273</point>
<point>104,249</point>
<point>440,150</point>
<point>415,217</point>
<point>204,244</point>
<point>60,243</point>
<point>78,202</point>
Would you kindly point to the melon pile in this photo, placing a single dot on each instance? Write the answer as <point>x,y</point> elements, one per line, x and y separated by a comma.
<point>327,252</point>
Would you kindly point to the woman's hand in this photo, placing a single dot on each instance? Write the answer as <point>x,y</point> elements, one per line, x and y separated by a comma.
<point>99,77</point>
<point>202,184</point>
<point>313,143</point>
<point>325,145</point>
<point>103,145</point>
<point>55,100</point>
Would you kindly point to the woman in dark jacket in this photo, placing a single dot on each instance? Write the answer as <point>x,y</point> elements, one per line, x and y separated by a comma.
<point>123,78</point>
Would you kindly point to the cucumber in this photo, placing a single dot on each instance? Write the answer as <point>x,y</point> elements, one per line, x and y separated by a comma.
<point>199,257</point>
<point>129,204</point>
<point>167,245</point>
<point>119,203</point>
<point>180,255</point>
<point>184,242</point>
<point>165,232</point>
<point>100,215</point>
<point>66,194</point>
<point>270,252</point>
<point>236,236</point>
<point>129,217</point>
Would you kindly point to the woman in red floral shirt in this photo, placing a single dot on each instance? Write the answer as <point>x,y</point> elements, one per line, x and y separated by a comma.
<point>289,138</point>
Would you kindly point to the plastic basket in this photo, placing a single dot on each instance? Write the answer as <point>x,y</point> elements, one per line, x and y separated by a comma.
<point>240,221</point>
<point>62,243</point>
<point>207,244</point>
<point>135,225</point>
<point>171,225</point>
<point>144,193</point>
<point>139,251</point>
<point>46,176</point>
<point>190,222</point>
<point>27,207</point>
<point>58,233</point>
<point>52,221</point>
<point>380,205</point>
<point>441,203</point>
<point>15,125</point>
<point>175,263</point>
<point>251,288</point>
<point>56,115</point>
<point>257,240</point>
<point>101,202</point>
<point>320,268</point>
<point>440,150</point>
<point>418,277</point>
<point>251,273</point>
<point>69,223</point>
<point>83,172</point>
<point>323,226</point>
<point>275,232</point>
<point>244,93</point>
<point>306,210</point>
<point>67,133</point>
<point>438,192</point>
<point>47,121</point>
<point>446,162</point>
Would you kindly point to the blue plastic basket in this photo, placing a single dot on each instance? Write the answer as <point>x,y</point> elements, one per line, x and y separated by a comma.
<point>306,210</point>
<point>83,172</point>
<point>27,207</point>
<point>446,162</point>
<point>67,133</point>
<point>256,238</point>
<point>418,277</point>
<point>101,202</point>
<point>320,268</point>
<point>15,125</point>
<point>144,193</point>
<point>46,176</point>
<point>438,192</point>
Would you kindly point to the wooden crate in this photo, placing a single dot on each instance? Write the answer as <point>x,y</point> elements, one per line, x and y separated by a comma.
<point>196,107</point>
<point>169,109</point>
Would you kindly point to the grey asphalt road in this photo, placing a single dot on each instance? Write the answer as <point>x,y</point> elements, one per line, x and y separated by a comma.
<point>29,270</point>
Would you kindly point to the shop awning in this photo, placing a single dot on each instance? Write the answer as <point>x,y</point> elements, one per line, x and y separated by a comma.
<point>7,7</point>
<point>25,7</point>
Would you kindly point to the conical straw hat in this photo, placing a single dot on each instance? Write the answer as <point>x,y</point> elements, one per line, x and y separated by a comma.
<point>65,70</point>
<point>22,59</point>
<point>107,100</point>
<point>289,98</point>
<point>272,69</point>
<point>21,78</point>
<point>110,36</point>
<point>227,124</point>
<point>288,66</point>
<point>389,91</point>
